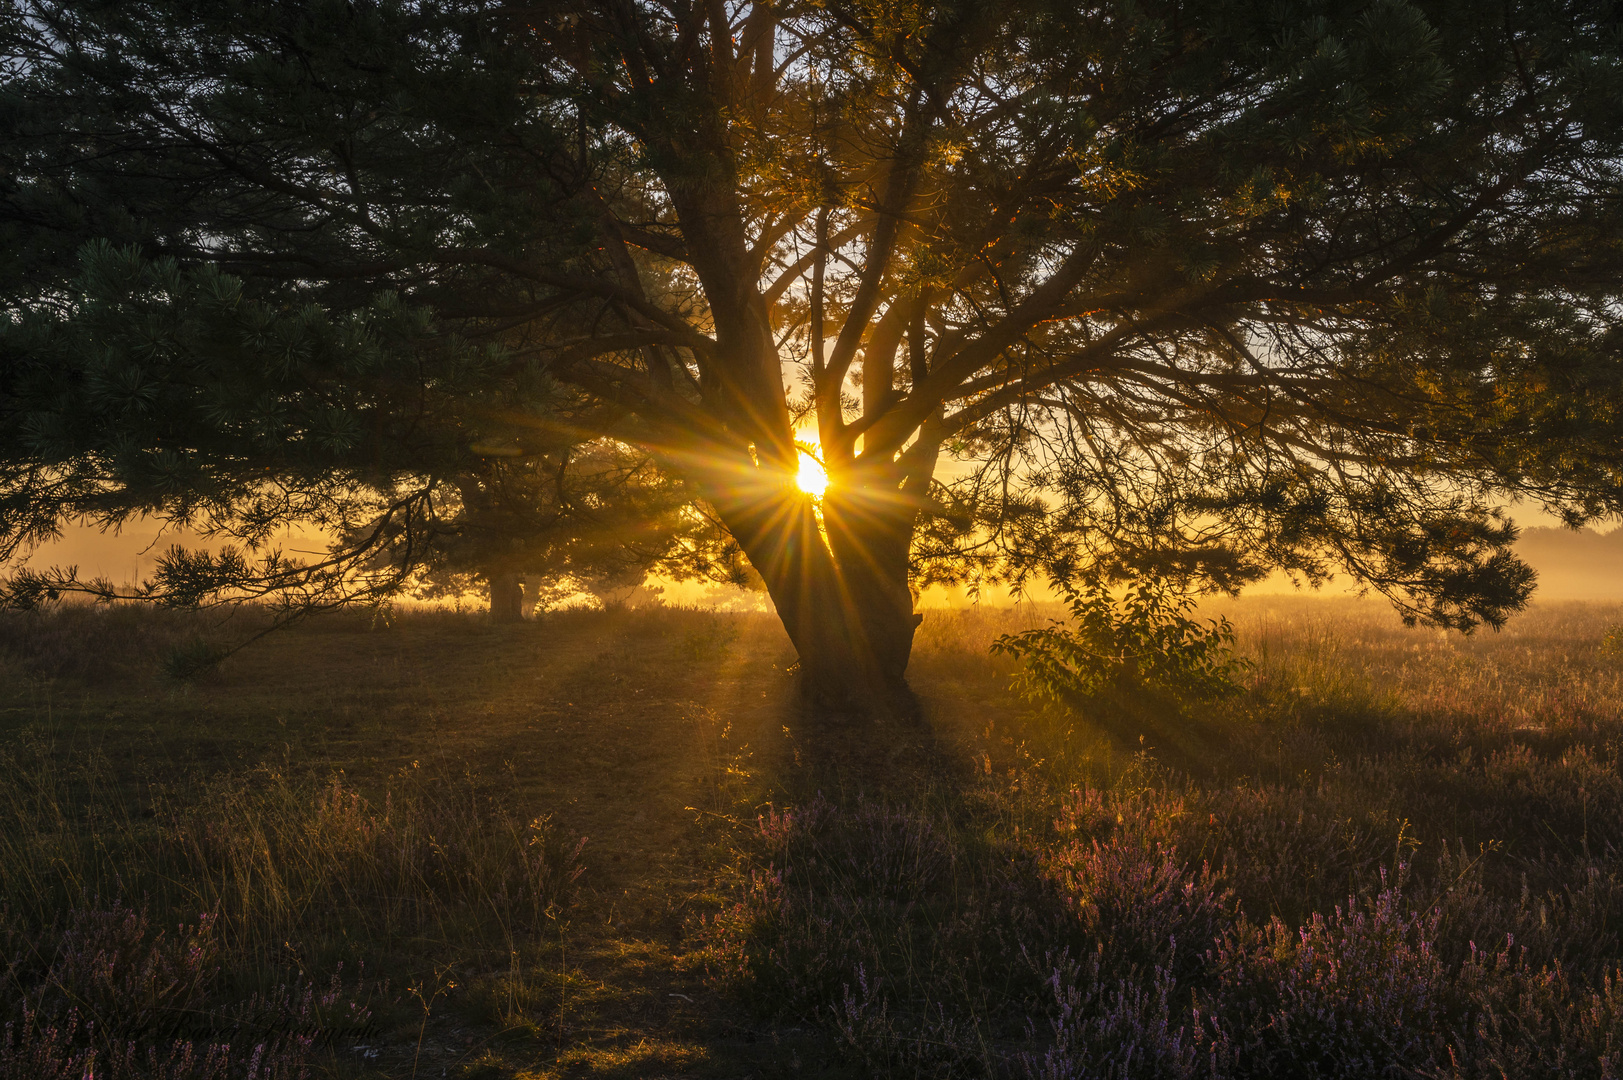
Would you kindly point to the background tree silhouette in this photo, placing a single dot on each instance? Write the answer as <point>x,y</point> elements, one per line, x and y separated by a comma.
<point>537,525</point>
<point>1205,288</point>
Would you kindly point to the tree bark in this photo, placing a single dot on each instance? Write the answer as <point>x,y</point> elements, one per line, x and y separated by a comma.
<point>841,589</point>
<point>506,598</point>
<point>869,535</point>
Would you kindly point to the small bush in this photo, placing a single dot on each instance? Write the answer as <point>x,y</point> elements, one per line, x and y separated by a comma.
<point>193,658</point>
<point>886,1042</point>
<point>1518,1020</point>
<point>1119,649</point>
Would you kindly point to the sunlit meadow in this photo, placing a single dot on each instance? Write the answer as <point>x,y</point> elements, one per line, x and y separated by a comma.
<point>608,844</point>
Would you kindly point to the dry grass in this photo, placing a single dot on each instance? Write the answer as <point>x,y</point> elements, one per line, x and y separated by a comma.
<point>356,790</point>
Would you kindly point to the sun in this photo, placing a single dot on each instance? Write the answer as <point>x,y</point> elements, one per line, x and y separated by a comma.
<point>811,478</point>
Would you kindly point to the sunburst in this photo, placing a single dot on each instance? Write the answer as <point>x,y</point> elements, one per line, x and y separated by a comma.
<point>811,477</point>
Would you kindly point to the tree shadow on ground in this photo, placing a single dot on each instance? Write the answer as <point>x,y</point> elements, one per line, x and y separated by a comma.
<point>1177,737</point>
<point>893,751</point>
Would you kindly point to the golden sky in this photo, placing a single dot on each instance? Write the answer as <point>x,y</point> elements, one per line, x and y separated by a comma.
<point>1583,565</point>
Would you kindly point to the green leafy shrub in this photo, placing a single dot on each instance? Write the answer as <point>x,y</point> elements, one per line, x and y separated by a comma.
<point>1143,643</point>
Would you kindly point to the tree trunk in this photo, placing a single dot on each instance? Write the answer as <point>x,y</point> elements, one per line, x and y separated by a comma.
<point>868,538</point>
<point>841,589</point>
<point>506,598</point>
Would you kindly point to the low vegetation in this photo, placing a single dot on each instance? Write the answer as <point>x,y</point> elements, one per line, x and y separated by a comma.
<point>607,844</point>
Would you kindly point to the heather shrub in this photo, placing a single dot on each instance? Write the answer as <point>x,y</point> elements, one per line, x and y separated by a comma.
<point>1131,1027</point>
<point>1285,850</point>
<point>917,943</point>
<point>1096,948</point>
<point>1134,903</point>
<point>100,993</point>
<point>1361,991</point>
<point>1573,924</point>
<point>1357,992</point>
<point>110,965</point>
<point>1521,1021</point>
<point>1115,860</point>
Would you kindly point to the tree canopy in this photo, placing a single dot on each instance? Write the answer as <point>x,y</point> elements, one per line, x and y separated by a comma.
<point>1077,289</point>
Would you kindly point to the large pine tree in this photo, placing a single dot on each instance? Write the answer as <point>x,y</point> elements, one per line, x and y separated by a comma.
<point>1205,288</point>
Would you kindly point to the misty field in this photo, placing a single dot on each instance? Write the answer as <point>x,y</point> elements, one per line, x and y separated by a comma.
<point>610,844</point>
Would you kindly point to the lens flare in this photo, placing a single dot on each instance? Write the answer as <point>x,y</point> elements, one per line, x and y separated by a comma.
<point>811,478</point>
